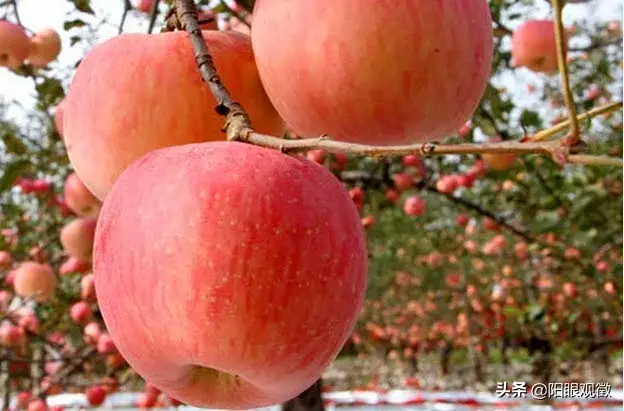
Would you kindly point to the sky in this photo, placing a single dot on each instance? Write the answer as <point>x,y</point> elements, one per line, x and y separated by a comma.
<point>38,14</point>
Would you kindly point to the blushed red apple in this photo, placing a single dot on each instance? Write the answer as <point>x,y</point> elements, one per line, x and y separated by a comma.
<point>533,45</point>
<point>251,283</point>
<point>14,44</point>
<point>45,47</point>
<point>377,72</point>
<point>79,199</point>
<point>111,120</point>
<point>77,238</point>
<point>34,280</point>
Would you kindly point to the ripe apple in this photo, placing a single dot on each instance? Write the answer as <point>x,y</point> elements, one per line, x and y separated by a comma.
<point>376,72</point>
<point>414,206</point>
<point>37,405</point>
<point>11,335</point>
<point>111,120</point>
<point>80,312</point>
<point>34,280</point>
<point>533,46</point>
<point>87,287</point>
<point>5,260</point>
<point>14,45</point>
<point>79,199</point>
<point>499,162</point>
<point>45,47</point>
<point>58,118</point>
<point>145,6</point>
<point>92,333</point>
<point>74,265</point>
<point>77,238</point>
<point>95,395</point>
<point>105,344</point>
<point>247,235</point>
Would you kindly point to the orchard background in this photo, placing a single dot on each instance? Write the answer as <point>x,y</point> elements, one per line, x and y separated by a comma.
<point>476,274</point>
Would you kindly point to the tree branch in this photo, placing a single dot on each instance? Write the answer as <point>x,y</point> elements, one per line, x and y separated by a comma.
<point>238,125</point>
<point>153,14</point>
<point>557,7</point>
<point>127,8</point>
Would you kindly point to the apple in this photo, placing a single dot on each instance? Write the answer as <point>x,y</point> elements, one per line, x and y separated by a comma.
<point>87,287</point>
<point>11,335</point>
<point>95,395</point>
<point>37,405</point>
<point>402,181</point>
<point>34,280</point>
<point>6,261</point>
<point>374,72</point>
<point>74,265</point>
<point>414,206</point>
<point>533,46</point>
<point>145,6</point>
<point>146,400</point>
<point>249,234</point>
<point>45,47</point>
<point>499,162</point>
<point>22,398</point>
<point>29,322</point>
<point>80,312</point>
<point>77,238</point>
<point>14,45</point>
<point>92,333</point>
<point>105,344</point>
<point>111,120</point>
<point>447,184</point>
<point>79,199</point>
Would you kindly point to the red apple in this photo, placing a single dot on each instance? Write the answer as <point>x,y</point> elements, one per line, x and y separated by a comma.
<point>45,47</point>
<point>11,335</point>
<point>533,46</point>
<point>74,265</point>
<point>146,400</point>
<point>87,287</point>
<point>145,6</point>
<point>6,261</point>
<point>95,395</point>
<point>37,405</point>
<point>228,298</point>
<point>77,238</point>
<point>80,312</point>
<point>79,199</point>
<point>101,142</point>
<point>34,280</point>
<point>92,333</point>
<point>414,206</point>
<point>105,344</point>
<point>14,45</point>
<point>332,75</point>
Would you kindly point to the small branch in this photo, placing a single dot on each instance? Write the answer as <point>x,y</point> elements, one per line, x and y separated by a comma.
<point>16,12</point>
<point>127,8</point>
<point>598,111</point>
<point>153,14</point>
<point>563,71</point>
<point>236,14</point>
<point>595,160</point>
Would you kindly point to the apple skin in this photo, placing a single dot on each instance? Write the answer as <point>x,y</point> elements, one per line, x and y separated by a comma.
<point>257,273</point>
<point>45,47</point>
<point>77,238</point>
<point>116,110</point>
<point>533,45</point>
<point>145,6</point>
<point>499,162</point>
<point>14,45</point>
<point>34,280</point>
<point>79,199</point>
<point>375,72</point>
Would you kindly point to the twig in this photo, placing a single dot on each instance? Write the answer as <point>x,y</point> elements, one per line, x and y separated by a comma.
<point>595,160</point>
<point>238,126</point>
<point>16,12</point>
<point>237,118</point>
<point>598,111</point>
<point>236,14</point>
<point>563,71</point>
<point>127,8</point>
<point>153,14</point>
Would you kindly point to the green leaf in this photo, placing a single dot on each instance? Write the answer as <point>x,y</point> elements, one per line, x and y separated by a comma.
<point>13,143</point>
<point>68,25</point>
<point>83,5</point>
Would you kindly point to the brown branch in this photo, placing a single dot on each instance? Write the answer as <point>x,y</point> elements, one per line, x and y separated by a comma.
<point>153,14</point>
<point>234,13</point>
<point>237,118</point>
<point>16,12</point>
<point>68,369</point>
<point>127,8</point>
<point>557,7</point>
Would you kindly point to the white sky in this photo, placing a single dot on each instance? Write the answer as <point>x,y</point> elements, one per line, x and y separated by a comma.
<point>39,14</point>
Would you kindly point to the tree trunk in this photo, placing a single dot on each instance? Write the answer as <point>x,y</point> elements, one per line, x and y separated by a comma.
<point>309,400</point>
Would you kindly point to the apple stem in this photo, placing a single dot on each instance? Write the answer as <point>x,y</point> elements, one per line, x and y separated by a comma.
<point>238,125</point>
